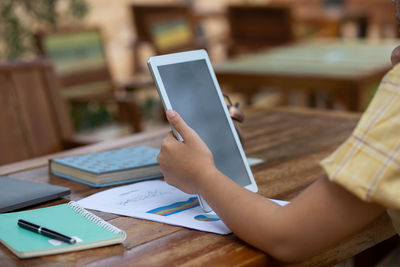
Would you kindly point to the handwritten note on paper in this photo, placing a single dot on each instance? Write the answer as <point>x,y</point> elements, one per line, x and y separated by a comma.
<point>157,201</point>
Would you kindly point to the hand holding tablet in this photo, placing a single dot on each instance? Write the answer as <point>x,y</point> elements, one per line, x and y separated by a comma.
<point>186,164</point>
<point>187,84</point>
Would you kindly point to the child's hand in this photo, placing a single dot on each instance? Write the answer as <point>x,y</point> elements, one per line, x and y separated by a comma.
<point>185,164</point>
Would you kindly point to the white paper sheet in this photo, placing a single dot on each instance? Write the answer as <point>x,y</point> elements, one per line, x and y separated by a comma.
<point>254,161</point>
<point>157,201</point>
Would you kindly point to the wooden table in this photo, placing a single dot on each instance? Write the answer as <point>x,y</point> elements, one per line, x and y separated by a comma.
<point>290,141</point>
<point>346,69</point>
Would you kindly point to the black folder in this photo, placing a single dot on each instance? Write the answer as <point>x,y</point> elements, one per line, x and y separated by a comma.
<point>16,194</point>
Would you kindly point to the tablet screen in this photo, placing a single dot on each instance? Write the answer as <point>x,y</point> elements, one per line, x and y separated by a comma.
<point>192,94</point>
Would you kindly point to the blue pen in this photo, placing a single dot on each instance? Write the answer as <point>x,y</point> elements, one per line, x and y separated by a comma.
<point>45,231</point>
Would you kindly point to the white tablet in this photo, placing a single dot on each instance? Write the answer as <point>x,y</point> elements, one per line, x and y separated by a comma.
<point>186,83</point>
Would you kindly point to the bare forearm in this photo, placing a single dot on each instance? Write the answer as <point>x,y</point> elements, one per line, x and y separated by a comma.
<point>250,216</point>
<point>318,218</point>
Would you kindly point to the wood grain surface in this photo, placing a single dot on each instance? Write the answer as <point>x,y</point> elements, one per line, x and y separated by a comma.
<point>291,142</point>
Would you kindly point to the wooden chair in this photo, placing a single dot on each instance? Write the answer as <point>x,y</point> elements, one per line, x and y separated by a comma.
<point>167,28</point>
<point>34,120</point>
<point>325,25</point>
<point>318,26</point>
<point>381,15</point>
<point>81,64</point>
<point>256,27</point>
<point>327,18</point>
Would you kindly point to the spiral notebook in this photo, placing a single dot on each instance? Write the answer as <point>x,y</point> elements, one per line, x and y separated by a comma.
<point>70,219</point>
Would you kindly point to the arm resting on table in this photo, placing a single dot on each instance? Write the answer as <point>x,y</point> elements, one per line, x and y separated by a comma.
<point>321,216</point>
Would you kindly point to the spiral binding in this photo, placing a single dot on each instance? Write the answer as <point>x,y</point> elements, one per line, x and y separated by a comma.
<point>97,220</point>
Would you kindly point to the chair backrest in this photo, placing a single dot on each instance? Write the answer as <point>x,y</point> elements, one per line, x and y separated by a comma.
<point>319,26</point>
<point>33,118</point>
<point>379,11</point>
<point>255,27</point>
<point>167,27</point>
<point>79,60</point>
<point>381,14</point>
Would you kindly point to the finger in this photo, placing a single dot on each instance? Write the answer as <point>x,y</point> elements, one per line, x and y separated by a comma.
<point>160,160</point>
<point>179,124</point>
<point>168,142</point>
<point>171,137</point>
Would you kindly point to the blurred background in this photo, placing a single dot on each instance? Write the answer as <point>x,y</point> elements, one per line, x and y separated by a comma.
<point>325,54</point>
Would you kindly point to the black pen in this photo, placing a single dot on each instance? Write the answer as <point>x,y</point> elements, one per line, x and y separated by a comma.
<point>45,231</point>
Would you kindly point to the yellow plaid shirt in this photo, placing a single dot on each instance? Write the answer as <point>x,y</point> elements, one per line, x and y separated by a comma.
<point>368,163</point>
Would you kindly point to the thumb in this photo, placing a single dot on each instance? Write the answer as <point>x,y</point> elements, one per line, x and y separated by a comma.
<point>179,124</point>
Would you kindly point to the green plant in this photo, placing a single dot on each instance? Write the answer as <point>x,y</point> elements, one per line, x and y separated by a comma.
<point>20,18</point>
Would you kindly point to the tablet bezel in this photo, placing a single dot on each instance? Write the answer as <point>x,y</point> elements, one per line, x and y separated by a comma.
<point>156,61</point>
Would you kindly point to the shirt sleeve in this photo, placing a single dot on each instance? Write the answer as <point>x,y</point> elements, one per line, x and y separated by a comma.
<point>368,162</point>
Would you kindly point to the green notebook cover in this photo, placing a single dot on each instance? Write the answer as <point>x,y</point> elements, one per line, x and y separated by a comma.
<point>69,219</point>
